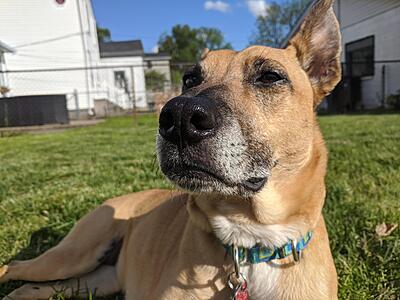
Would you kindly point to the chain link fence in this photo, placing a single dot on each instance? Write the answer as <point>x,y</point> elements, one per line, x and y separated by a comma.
<point>104,91</point>
<point>99,91</point>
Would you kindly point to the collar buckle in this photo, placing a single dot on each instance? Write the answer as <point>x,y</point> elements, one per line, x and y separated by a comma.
<point>296,254</point>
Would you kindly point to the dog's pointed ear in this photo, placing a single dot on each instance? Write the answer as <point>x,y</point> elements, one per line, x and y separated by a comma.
<point>318,47</point>
<point>204,53</point>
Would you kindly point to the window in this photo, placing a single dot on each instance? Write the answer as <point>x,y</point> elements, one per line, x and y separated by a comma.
<point>360,57</point>
<point>119,79</point>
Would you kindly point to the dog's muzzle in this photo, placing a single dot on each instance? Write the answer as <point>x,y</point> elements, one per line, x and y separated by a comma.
<point>201,148</point>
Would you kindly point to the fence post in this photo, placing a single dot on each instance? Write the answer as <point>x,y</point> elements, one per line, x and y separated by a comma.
<point>77,111</point>
<point>133,96</point>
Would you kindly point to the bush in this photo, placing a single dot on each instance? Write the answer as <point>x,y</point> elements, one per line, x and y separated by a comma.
<point>4,90</point>
<point>155,80</point>
<point>393,101</point>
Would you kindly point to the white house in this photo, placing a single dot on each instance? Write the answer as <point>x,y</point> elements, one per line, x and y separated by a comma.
<point>57,52</point>
<point>4,48</point>
<point>371,52</point>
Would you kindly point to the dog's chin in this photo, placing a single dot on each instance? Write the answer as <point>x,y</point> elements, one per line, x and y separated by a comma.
<point>198,180</point>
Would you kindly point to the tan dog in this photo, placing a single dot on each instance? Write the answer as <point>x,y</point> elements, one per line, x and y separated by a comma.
<point>244,141</point>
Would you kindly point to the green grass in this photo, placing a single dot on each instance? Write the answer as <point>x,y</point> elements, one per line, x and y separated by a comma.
<point>49,181</point>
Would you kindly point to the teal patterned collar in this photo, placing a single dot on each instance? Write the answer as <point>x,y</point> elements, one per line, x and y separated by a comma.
<point>260,253</point>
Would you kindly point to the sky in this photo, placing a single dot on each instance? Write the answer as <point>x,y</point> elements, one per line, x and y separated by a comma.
<point>148,19</point>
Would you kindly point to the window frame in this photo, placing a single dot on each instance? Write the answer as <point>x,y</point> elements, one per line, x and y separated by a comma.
<point>357,45</point>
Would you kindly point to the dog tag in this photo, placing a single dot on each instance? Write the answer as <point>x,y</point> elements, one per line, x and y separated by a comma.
<point>242,293</point>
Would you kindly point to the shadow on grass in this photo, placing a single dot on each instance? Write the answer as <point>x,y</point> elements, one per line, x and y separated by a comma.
<point>41,241</point>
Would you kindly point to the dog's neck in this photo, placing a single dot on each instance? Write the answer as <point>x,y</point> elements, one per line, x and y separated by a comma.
<point>285,209</point>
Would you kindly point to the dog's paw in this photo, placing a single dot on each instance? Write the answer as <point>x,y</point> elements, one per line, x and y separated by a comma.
<point>3,272</point>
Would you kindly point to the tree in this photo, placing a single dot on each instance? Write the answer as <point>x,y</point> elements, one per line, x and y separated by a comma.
<point>4,90</point>
<point>154,80</point>
<point>278,21</point>
<point>186,44</point>
<point>212,38</point>
<point>103,34</point>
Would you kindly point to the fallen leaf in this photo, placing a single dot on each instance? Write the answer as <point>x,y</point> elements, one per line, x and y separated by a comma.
<point>385,229</point>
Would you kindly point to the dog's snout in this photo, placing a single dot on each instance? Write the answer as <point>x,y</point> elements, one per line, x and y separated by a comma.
<point>187,120</point>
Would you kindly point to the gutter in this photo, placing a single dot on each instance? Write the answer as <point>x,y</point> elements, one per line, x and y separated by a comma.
<point>5,48</point>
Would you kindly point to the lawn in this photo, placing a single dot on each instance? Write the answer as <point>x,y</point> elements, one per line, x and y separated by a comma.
<point>49,181</point>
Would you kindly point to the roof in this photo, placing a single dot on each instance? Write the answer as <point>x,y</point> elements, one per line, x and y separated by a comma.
<point>157,56</point>
<point>296,27</point>
<point>121,49</point>
<point>5,48</point>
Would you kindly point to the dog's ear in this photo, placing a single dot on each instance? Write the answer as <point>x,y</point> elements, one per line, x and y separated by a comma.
<point>318,47</point>
<point>204,53</point>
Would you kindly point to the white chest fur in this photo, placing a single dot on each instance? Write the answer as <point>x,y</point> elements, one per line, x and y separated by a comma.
<point>262,280</point>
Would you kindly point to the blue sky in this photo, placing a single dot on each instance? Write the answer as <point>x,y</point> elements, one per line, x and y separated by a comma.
<point>148,19</point>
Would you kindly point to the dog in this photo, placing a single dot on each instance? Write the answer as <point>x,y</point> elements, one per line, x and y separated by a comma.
<point>243,145</point>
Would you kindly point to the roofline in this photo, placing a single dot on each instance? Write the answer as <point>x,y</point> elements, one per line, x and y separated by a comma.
<point>6,48</point>
<point>120,54</point>
<point>157,56</point>
<point>296,27</point>
<point>123,41</point>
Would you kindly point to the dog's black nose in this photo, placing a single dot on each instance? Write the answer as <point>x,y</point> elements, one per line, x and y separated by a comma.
<point>187,120</point>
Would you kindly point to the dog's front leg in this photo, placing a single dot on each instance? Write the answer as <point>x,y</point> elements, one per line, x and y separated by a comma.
<point>58,263</point>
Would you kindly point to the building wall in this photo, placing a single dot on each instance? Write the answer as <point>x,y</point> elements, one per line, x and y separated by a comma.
<point>381,18</point>
<point>137,81</point>
<point>356,11</point>
<point>47,35</point>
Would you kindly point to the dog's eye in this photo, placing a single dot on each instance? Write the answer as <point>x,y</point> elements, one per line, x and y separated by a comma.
<point>268,78</point>
<point>191,80</point>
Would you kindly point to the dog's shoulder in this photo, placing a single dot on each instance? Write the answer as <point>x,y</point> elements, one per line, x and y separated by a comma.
<point>141,203</point>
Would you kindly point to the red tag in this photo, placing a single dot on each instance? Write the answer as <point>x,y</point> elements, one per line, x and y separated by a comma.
<point>242,293</point>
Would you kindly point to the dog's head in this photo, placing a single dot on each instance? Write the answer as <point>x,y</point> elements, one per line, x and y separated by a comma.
<point>242,114</point>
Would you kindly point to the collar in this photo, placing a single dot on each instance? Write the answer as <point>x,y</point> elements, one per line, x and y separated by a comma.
<point>259,253</point>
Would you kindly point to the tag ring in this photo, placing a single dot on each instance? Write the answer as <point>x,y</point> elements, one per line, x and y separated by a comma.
<point>241,279</point>
<point>236,262</point>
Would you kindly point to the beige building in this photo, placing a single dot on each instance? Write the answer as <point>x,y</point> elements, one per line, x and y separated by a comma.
<point>159,62</point>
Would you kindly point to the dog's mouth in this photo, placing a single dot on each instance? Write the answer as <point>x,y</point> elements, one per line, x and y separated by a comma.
<point>200,179</point>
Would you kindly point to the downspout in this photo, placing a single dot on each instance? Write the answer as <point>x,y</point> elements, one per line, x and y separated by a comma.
<point>383,87</point>
<point>85,57</point>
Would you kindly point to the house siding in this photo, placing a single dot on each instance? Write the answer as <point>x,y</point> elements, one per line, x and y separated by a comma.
<point>381,19</point>
<point>356,11</point>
